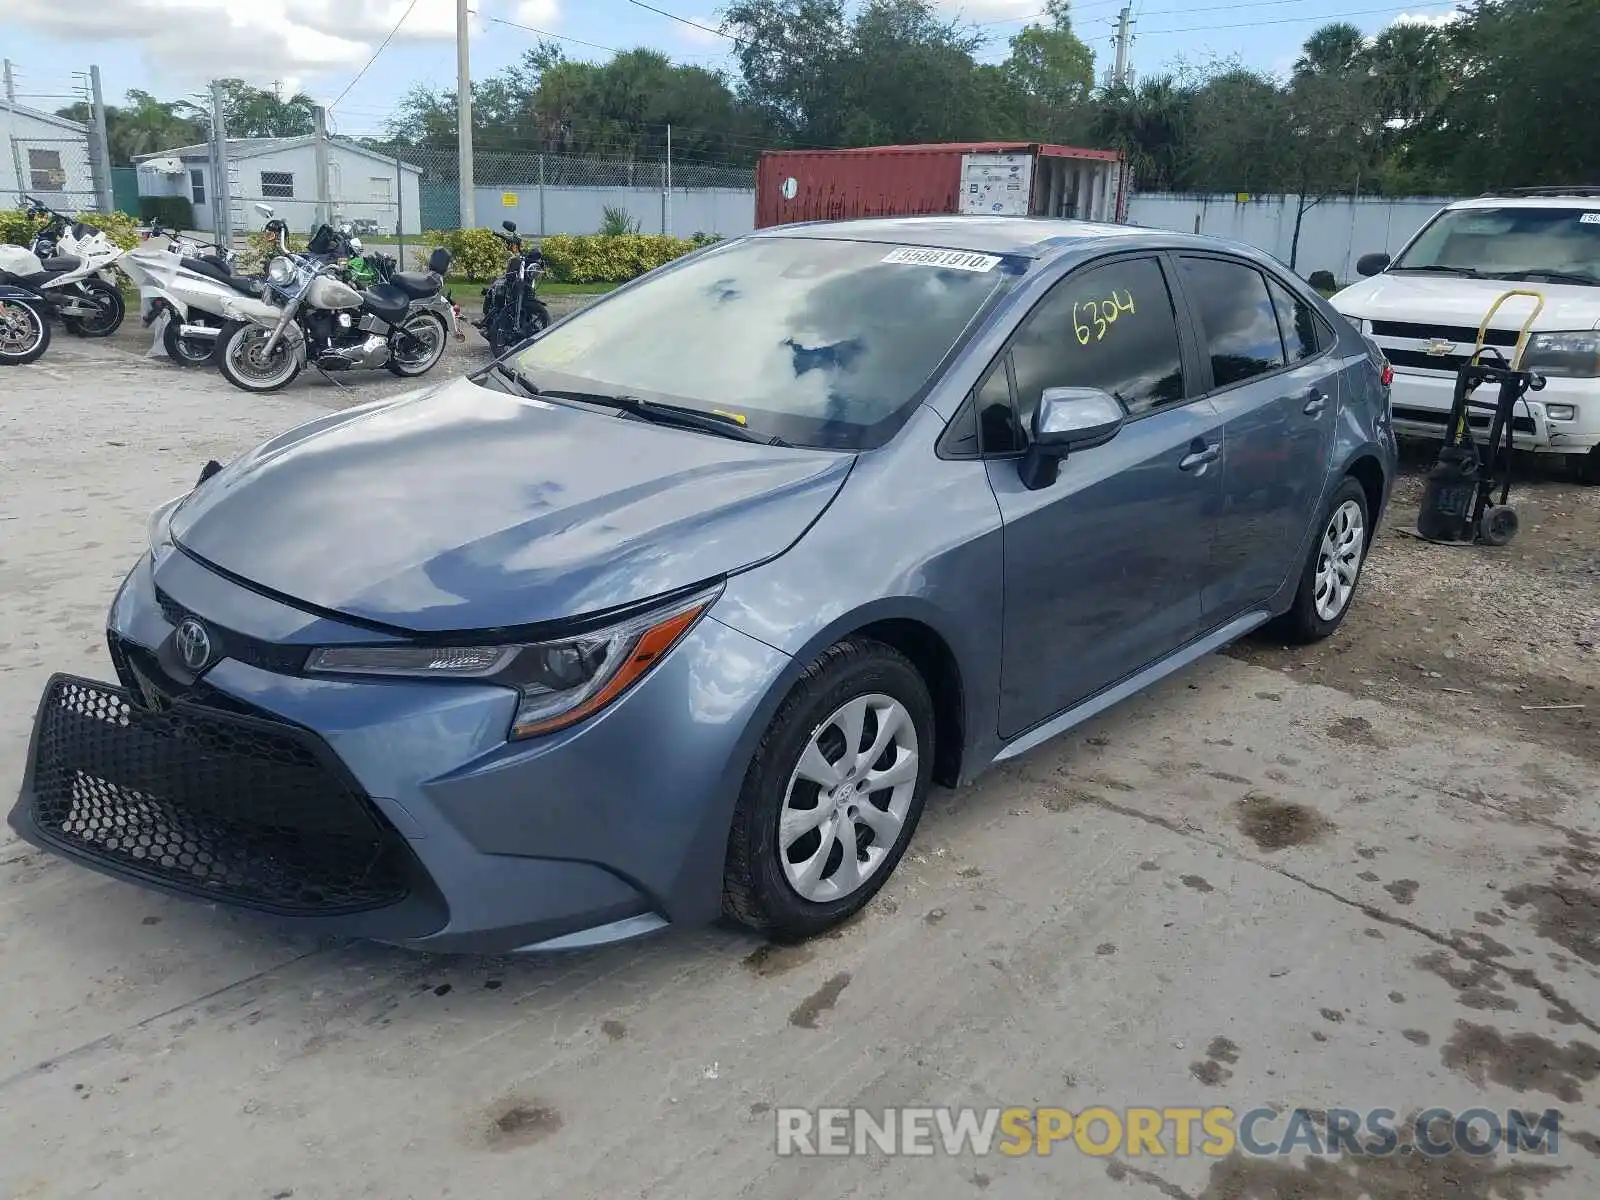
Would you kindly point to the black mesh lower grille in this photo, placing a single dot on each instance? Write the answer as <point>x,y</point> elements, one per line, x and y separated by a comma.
<point>226,806</point>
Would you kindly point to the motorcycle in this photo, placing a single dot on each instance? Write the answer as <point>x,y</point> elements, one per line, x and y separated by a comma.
<point>512,310</point>
<point>309,313</point>
<point>24,327</point>
<point>73,277</point>
<point>182,285</point>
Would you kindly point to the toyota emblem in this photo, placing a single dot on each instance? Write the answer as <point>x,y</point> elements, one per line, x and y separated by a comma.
<point>193,644</point>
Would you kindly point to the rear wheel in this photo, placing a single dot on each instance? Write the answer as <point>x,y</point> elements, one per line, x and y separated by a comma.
<point>242,358</point>
<point>24,333</point>
<point>1332,568</point>
<point>1587,466</point>
<point>109,311</point>
<point>833,793</point>
<point>417,345</point>
<point>186,351</point>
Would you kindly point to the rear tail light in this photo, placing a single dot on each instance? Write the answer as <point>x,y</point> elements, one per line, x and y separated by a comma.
<point>1387,375</point>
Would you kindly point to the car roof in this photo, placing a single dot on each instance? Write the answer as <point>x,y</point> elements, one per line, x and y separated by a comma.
<point>1024,237</point>
<point>1584,198</point>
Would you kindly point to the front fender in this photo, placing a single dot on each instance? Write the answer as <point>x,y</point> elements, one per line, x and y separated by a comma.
<point>256,312</point>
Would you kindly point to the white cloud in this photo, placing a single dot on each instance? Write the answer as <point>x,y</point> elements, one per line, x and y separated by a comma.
<point>1434,19</point>
<point>701,37</point>
<point>538,12</point>
<point>191,41</point>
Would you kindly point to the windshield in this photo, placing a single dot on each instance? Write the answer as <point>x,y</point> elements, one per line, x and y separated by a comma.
<point>1509,242</point>
<point>820,343</point>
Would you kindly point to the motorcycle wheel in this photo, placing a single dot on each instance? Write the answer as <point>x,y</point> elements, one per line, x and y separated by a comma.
<point>186,352</point>
<point>24,333</point>
<point>240,359</point>
<point>409,360</point>
<point>108,298</point>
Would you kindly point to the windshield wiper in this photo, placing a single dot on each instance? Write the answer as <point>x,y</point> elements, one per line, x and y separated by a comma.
<point>1552,276</point>
<point>517,383</point>
<point>667,414</point>
<point>1469,272</point>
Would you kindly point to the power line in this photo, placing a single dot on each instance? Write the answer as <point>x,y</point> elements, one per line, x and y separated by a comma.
<point>683,20</point>
<point>382,46</point>
<point>1363,12</point>
<point>561,37</point>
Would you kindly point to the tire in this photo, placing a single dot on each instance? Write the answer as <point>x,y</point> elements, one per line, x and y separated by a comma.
<point>1307,620</point>
<point>441,335</point>
<point>24,333</point>
<point>762,879</point>
<point>112,309</point>
<point>186,352</point>
<point>1498,525</point>
<point>1587,466</point>
<point>233,358</point>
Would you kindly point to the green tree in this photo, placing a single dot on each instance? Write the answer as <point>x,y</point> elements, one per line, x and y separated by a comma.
<point>1053,69</point>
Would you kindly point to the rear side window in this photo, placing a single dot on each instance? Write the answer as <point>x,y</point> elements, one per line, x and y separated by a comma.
<point>1111,327</point>
<point>1303,333</point>
<point>1237,318</point>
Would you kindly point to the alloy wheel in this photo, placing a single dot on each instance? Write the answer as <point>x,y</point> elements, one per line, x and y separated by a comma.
<point>847,799</point>
<point>20,329</point>
<point>1339,559</point>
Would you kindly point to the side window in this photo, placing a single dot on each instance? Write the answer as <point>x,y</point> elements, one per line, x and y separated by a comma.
<point>1237,318</point>
<point>997,421</point>
<point>1301,327</point>
<point>1111,327</point>
<point>960,438</point>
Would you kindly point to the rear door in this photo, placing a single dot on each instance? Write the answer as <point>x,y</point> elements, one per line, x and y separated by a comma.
<point>1277,394</point>
<point>1104,567</point>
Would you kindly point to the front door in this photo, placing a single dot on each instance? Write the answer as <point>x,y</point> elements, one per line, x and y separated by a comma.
<point>1277,395</point>
<point>1104,567</point>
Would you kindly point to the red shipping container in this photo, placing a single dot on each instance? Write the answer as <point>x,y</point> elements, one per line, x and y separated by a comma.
<point>1015,178</point>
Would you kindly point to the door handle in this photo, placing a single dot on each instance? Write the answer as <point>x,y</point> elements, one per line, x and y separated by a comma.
<point>1200,457</point>
<point>1316,401</point>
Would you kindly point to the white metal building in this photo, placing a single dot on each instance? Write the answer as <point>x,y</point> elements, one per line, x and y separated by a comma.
<point>46,156</point>
<point>371,190</point>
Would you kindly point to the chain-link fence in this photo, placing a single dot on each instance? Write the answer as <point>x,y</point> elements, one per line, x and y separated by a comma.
<point>56,171</point>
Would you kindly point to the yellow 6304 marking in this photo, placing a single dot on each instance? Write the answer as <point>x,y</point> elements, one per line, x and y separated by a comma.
<point>1102,314</point>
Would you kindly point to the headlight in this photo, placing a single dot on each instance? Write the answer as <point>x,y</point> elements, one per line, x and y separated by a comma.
<point>559,682</point>
<point>158,530</point>
<point>280,271</point>
<point>1573,355</point>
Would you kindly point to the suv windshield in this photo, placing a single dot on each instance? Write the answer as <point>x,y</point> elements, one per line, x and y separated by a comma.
<point>818,342</point>
<point>1510,242</point>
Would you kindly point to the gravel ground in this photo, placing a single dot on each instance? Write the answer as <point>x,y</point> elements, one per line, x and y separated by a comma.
<point>1275,880</point>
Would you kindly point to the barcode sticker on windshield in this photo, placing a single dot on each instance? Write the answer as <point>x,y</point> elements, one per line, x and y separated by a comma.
<point>1589,219</point>
<point>956,260</point>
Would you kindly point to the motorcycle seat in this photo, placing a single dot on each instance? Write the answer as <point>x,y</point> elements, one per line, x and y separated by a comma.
<point>213,269</point>
<point>416,284</point>
<point>386,301</point>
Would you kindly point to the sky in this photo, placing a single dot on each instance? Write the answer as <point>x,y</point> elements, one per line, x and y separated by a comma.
<point>326,47</point>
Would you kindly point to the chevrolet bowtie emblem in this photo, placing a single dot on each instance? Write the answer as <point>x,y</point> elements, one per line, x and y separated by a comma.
<point>1436,347</point>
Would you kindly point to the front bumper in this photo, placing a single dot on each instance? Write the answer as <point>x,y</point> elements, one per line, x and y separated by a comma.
<point>391,809</point>
<point>1421,405</point>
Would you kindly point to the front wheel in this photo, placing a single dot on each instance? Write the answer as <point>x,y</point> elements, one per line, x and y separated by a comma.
<point>186,351</point>
<point>24,333</point>
<point>417,345</point>
<point>109,307</point>
<point>1332,569</point>
<point>241,356</point>
<point>833,793</point>
<point>1587,466</point>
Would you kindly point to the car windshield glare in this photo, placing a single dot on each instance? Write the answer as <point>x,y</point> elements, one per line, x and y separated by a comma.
<point>826,343</point>
<point>1512,240</point>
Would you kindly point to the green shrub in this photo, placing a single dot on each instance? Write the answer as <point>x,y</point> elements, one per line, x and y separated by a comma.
<point>252,259</point>
<point>169,212</point>
<point>700,240</point>
<point>606,258</point>
<point>475,253</point>
<point>615,221</point>
<point>17,228</point>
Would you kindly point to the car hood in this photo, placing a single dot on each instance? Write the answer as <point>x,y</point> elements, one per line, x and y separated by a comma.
<point>464,508</point>
<point>1456,300</point>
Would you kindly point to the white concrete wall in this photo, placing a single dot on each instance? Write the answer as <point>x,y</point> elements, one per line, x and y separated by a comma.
<point>726,211</point>
<point>1333,235</point>
<point>18,132</point>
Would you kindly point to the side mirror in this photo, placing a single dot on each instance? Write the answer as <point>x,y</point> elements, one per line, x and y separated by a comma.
<point>265,210</point>
<point>1067,419</point>
<point>1372,264</point>
<point>509,226</point>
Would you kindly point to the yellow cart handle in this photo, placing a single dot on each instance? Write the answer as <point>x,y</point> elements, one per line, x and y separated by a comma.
<point>1527,326</point>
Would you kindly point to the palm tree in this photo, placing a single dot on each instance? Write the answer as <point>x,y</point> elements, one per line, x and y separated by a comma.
<point>1336,49</point>
<point>1147,124</point>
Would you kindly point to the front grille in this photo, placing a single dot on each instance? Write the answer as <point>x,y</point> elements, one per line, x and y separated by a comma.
<point>1475,419</point>
<point>228,643</point>
<point>223,805</point>
<point>1449,333</point>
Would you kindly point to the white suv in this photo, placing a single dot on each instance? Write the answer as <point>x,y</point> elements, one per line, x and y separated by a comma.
<point>1423,309</point>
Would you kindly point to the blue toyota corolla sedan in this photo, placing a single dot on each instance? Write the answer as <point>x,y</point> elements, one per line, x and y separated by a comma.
<point>677,611</point>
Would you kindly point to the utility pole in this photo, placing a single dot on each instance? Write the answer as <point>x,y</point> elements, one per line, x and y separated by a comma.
<point>11,85</point>
<point>102,146</point>
<point>221,191</point>
<point>667,224</point>
<point>1119,76</point>
<point>11,128</point>
<point>464,116</point>
<point>319,146</point>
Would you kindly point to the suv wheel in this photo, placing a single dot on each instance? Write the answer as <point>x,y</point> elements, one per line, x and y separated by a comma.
<point>833,792</point>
